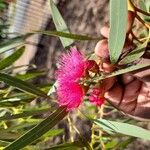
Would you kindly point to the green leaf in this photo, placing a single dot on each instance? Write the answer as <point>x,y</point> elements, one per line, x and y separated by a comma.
<point>111,144</point>
<point>4,26</point>
<point>3,143</point>
<point>13,43</point>
<point>38,130</point>
<point>122,71</point>
<point>8,135</point>
<point>124,144</point>
<point>67,146</point>
<point>30,75</point>
<point>53,132</point>
<point>59,23</point>
<point>123,128</point>
<point>134,55</point>
<point>52,89</point>
<point>6,62</point>
<point>19,98</point>
<point>145,6</point>
<point>68,35</point>
<point>22,85</point>
<point>21,127</point>
<point>142,6</point>
<point>16,100</point>
<point>118,23</point>
<point>24,114</point>
<point>2,6</point>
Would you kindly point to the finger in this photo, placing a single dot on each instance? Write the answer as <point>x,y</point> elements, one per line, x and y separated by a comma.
<point>127,78</point>
<point>115,94</point>
<point>108,83</point>
<point>143,74</point>
<point>131,91</point>
<point>143,103</point>
<point>105,31</point>
<point>101,49</point>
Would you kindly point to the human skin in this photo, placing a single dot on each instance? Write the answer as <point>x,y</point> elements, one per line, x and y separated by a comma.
<point>130,92</point>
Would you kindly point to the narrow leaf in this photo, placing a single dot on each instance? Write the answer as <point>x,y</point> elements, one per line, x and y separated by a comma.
<point>52,88</point>
<point>59,23</point>
<point>18,99</point>
<point>30,75</point>
<point>53,132</point>
<point>4,26</point>
<point>6,62</point>
<point>13,43</point>
<point>118,23</point>
<point>68,35</point>
<point>3,143</point>
<point>22,85</point>
<point>134,55</point>
<point>8,135</point>
<point>67,146</point>
<point>38,130</point>
<point>125,70</point>
<point>145,5</point>
<point>24,114</point>
<point>123,128</point>
<point>125,143</point>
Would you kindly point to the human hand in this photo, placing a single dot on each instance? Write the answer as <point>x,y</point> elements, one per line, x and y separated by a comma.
<point>129,92</point>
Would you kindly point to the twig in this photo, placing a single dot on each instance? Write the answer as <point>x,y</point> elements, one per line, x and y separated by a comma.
<point>134,37</point>
<point>139,10</point>
<point>141,20</point>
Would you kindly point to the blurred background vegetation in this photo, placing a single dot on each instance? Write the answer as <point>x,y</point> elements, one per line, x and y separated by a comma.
<point>27,73</point>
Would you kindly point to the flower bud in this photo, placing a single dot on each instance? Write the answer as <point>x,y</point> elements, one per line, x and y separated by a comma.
<point>96,96</point>
<point>92,66</point>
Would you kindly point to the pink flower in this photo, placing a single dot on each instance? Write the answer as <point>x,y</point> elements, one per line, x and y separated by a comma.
<point>70,94</point>
<point>96,97</point>
<point>71,66</point>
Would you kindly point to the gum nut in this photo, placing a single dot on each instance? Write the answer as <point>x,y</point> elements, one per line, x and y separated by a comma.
<point>115,94</point>
<point>101,49</point>
<point>131,16</point>
<point>105,31</point>
<point>127,78</point>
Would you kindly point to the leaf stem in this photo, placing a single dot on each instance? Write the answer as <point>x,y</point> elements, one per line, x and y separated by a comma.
<point>139,10</point>
<point>142,21</point>
<point>135,38</point>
